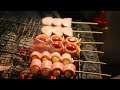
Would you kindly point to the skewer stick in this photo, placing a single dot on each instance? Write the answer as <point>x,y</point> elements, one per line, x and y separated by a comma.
<point>92,51</point>
<point>92,42</point>
<point>89,62</point>
<point>85,23</point>
<point>88,32</point>
<point>93,73</point>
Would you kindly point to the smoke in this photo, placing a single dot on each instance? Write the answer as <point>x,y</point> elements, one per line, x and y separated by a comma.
<point>32,14</point>
<point>49,14</point>
<point>75,15</point>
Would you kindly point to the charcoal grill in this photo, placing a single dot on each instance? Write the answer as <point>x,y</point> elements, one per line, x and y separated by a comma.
<point>16,37</point>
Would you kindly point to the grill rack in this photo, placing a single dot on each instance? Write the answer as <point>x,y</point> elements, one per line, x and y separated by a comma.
<point>22,28</point>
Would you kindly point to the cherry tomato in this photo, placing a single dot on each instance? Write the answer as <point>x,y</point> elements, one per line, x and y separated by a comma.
<point>42,38</point>
<point>56,38</point>
<point>71,47</point>
<point>57,45</point>
<point>72,39</point>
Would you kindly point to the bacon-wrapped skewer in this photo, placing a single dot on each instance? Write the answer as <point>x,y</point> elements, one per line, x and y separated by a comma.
<point>55,57</point>
<point>46,68</point>
<point>73,40</point>
<point>66,59</point>
<point>57,38</point>
<point>41,43</point>
<point>35,66</point>
<point>69,70</point>
<point>57,69</point>
<point>72,49</point>
<point>35,55</point>
<point>45,56</point>
<point>57,47</point>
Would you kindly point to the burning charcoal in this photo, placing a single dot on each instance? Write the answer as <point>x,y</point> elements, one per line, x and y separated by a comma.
<point>8,40</point>
<point>15,61</point>
<point>22,76</point>
<point>15,72</point>
<point>5,59</point>
<point>4,74</point>
<point>26,72</point>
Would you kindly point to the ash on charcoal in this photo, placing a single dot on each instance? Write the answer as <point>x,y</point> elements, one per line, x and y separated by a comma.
<point>16,66</point>
<point>5,59</point>
<point>26,42</point>
<point>28,35</point>
<point>8,41</point>
<point>15,71</point>
<point>88,67</point>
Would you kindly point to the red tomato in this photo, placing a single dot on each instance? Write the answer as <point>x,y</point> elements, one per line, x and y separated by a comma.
<point>56,38</point>
<point>71,47</point>
<point>72,39</point>
<point>43,38</point>
<point>57,45</point>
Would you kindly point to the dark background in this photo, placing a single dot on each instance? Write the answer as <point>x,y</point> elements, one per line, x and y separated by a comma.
<point>76,15</point>
<point>112,40</point>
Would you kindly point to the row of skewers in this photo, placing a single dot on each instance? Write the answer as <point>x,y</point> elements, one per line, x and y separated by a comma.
<point>21,40</point>
<point>54,64</point>
<point>44,39</point>
<point>27,32</point>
